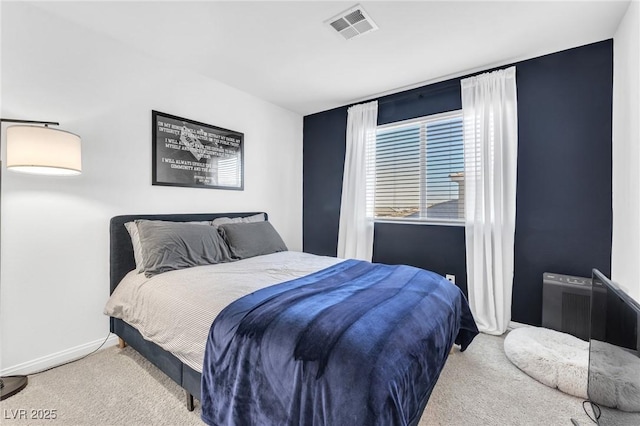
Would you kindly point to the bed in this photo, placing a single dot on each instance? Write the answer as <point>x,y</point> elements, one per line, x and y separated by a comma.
<point>260,280</point>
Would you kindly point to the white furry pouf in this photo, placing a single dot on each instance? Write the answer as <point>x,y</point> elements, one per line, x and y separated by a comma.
<point>616,372</point>
<point>558,360</point>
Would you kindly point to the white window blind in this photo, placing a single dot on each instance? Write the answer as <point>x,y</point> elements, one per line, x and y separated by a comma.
<point>418,169</point>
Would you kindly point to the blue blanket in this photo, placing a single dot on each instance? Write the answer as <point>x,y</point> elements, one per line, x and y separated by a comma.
<point>358,343</point>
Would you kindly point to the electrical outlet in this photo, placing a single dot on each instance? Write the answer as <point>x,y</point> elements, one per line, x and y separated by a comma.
<point>451,278</point>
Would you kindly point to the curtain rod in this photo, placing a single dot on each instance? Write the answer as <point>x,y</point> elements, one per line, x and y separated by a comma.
<point>419,92</point>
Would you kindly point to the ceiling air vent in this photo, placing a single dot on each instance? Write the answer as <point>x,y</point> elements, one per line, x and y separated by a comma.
<point>352,23</point>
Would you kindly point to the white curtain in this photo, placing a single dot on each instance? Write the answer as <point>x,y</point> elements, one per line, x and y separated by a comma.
<point>355,235</point>
<point>489,108</point>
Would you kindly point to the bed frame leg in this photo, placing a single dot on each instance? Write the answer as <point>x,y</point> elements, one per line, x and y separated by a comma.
<point>189,400</point>
<point>121,343</point>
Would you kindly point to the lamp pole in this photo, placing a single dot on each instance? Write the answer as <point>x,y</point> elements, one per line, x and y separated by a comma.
<point>11,385</point>
<point>46,123</point>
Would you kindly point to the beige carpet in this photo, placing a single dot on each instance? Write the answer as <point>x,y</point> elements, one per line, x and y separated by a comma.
<point>481,387</point>
<point>119,387</point>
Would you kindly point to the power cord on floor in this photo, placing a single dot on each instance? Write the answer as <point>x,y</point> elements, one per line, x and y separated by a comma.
<point>74,360</point>
<point>595,408</point>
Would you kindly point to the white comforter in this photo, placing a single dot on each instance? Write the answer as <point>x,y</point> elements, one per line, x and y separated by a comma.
<point>175,309</point>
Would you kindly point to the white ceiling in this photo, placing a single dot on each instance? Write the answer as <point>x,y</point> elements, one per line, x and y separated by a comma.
<point>282,51</point>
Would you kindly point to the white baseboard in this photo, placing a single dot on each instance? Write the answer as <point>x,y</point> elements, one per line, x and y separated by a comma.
<point>513,324</point>
<point>57,358</point>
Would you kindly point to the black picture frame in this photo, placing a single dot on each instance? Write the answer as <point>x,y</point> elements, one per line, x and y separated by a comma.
<point>192,154</point>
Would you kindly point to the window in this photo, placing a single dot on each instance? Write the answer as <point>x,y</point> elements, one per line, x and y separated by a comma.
<point>417,170</point>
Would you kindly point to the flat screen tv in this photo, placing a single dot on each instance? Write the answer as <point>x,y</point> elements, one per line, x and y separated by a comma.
<point>614,357</point>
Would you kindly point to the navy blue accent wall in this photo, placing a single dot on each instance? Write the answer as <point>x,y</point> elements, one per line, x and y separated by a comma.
<point>437,248</point>
<point>323,153</point>
<point>563,215</point>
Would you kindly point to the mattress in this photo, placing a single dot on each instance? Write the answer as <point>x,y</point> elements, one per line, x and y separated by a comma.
<point>176,309</point>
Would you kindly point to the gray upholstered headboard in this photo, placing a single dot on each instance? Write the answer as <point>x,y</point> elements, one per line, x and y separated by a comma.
<point>121,249</point>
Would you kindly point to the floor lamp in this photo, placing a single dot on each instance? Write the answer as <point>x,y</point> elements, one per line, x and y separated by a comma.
<point>34,147</point>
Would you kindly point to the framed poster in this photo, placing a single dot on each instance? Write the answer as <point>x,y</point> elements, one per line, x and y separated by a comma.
<point>193,154</point>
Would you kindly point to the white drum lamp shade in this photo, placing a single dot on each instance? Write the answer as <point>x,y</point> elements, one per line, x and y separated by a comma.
<point>43,150</point>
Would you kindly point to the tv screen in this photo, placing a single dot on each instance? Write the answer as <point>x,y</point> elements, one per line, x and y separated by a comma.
<point>614,358</point>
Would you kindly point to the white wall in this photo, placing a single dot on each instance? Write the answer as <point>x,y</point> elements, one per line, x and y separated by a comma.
<point>625,256</point>
<point>54,270</point>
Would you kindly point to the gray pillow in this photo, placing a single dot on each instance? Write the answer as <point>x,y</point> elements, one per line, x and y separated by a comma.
<point>167,246</point>
<point>132,228</point>
<point>252,239</point>
<point>224,220</point>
